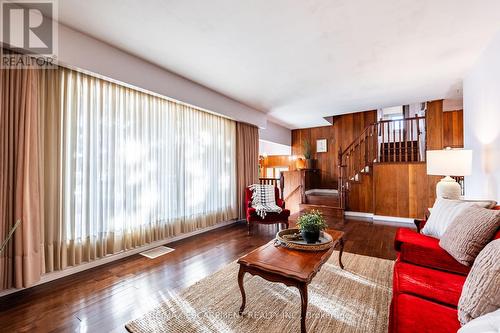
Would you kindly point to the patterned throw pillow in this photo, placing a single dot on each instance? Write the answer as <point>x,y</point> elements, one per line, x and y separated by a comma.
<point>481,290</point>
<point>443,212</point>
<point>469,232</point>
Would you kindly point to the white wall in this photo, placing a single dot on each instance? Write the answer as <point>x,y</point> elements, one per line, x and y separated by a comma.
<point>86,53</point>
<point>276,133</point>
<point>80,51</point>
<point>482,123</point>
<point>270,148</point>
<point>453,104</point>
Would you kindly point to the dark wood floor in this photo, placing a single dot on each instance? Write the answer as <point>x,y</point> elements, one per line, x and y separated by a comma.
<point>103,299</point>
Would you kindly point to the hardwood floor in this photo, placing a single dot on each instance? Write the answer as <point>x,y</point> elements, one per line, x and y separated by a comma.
<point>103,299</point>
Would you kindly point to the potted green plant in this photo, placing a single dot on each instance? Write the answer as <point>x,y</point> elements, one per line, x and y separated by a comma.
<point>308,154</point>
<point>310,226</point>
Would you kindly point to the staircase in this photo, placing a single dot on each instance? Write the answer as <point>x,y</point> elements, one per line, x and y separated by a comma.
<point>328,205</point>
<point>387,141</point>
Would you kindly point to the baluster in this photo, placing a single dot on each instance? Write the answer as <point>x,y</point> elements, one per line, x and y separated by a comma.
<point>400,139</point>
<point>382,149</point>
<point>348,168</point>
<point>372,149</point>
<point>411,140</point>
<point>350,163</point>
<point>353,160</point>
<point>369,152</point>
<point>390,151</point>
<point>404,135</point>
<point>359,158</point>
<point>418,139</point>
<point>361,144</point>
<point>424,121</point>
<point>394,151</point>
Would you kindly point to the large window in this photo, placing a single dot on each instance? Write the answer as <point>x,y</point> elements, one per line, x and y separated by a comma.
<point>136,167</point>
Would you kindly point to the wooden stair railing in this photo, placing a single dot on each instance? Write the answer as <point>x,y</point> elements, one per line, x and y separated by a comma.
<point>386,141</point>
<point>269,181</point>
<point>299,187</point>
<point>278,182</point>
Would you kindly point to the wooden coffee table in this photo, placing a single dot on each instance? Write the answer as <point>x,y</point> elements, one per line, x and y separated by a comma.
<point>291,267</point>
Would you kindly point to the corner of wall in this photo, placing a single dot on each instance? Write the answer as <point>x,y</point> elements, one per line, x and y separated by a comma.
<point>481,129</point>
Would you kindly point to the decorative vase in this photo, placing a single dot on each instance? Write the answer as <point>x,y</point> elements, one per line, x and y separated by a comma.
<point>310,237</point>
<point>309,164</point>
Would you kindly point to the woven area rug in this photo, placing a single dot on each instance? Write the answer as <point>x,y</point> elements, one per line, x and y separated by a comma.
<point>352,300</point>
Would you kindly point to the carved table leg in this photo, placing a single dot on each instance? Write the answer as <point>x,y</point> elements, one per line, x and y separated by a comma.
<point>241,274</point>
<point>341,245</point>
<point>303,297</point>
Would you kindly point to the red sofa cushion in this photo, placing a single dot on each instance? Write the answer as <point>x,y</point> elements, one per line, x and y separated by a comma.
<point>411,314</point>
<point>432,284</point>
<point>425,251</point>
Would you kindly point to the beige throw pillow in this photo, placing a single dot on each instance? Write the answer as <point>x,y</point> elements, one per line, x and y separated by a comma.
<point>469,232</point>
<point>443,213</point>
<point>481,290</point>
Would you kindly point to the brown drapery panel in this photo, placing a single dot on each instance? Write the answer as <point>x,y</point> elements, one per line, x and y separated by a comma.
<point>50,124</point>
<point>247,161</point>
<point>20,177</point>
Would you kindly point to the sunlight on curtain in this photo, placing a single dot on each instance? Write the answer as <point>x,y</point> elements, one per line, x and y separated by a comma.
<point>138,168</point>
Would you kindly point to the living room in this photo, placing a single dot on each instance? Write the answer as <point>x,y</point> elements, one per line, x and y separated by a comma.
<point>263,166</point>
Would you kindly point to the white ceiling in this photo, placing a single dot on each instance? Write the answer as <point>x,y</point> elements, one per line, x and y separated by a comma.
<point>301,60</point>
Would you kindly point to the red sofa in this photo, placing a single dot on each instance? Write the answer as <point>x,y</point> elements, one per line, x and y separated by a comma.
<point>427,284</point>
<point>271,218</point>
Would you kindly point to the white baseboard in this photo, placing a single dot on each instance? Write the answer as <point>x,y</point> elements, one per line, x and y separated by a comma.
<point>404,220</point>
<point>359,214</point>
<point>395,219</point>
<point>110,258</point>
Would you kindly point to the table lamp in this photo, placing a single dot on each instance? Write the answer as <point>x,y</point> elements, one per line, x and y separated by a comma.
<point>449,162</point>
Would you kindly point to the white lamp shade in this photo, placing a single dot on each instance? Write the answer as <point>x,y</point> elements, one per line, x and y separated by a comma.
<point>449,162</point>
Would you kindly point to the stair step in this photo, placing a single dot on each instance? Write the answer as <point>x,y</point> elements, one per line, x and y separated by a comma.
<point>327,200</point>
<point>330,211</point>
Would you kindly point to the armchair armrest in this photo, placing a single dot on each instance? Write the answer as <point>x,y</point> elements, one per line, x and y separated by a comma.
<point>250,211</point>
<point>280,203</point>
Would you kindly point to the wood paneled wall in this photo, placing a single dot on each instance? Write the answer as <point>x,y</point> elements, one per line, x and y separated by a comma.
<point>453,129</point>
<point>400,189</point>
<point>434,125</point>
<point>275,161</point>
<point>360,197</point>
<point>292,193</point>
<point>444,129</point>
<point>344,130</point>
<point>403,189</point>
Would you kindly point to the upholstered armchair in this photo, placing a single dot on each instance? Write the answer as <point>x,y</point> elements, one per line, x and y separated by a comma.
<point>271,218</point>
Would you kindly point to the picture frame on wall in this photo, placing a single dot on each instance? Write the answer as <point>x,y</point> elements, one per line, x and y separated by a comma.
<point>321,146</point>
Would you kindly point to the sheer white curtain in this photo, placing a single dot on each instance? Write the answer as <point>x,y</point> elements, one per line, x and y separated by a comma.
<point>137,168</point>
